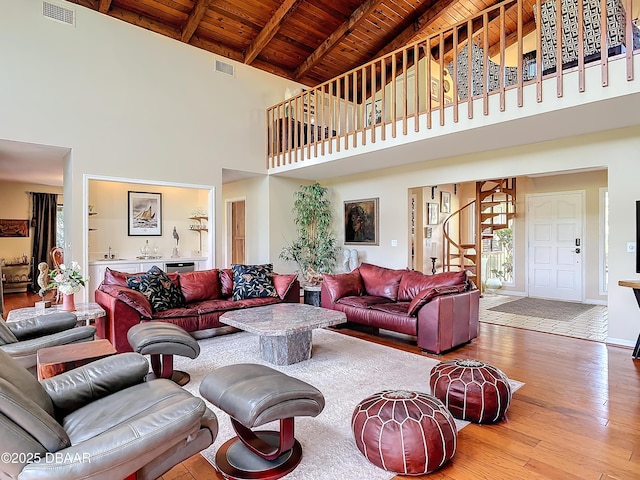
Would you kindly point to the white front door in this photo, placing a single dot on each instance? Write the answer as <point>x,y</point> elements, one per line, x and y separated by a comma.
<point>555,245</point>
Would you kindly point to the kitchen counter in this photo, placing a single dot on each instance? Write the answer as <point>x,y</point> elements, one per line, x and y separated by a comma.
<point>119,261</point>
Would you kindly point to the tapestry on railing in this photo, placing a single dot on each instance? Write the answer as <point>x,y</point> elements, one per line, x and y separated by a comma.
<point>477,72</point>
<point>615,30</point>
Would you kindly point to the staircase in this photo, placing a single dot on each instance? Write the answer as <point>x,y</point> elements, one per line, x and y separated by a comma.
<point>495,206</point>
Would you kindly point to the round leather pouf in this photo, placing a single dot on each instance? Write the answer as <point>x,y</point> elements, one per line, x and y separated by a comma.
<point>472,390</point>
<point>410,433</point>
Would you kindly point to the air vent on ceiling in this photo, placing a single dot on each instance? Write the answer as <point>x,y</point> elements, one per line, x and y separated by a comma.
<point>225,68</point>
<point>59,13</point>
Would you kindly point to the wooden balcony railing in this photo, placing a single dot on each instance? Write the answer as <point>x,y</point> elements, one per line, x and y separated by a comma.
<point>412,86</point>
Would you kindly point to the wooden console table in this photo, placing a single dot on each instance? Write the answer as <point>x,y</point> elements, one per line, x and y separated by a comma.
<point>635,284</point>
<point>52,361</point>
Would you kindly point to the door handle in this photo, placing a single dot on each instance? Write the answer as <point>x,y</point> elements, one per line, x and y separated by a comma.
<point>577,250</point>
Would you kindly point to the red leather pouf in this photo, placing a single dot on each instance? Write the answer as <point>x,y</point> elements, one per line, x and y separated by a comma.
<point>472,390</point>
<point>410,433</point>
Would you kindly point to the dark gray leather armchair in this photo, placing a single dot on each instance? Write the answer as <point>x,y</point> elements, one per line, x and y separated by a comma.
<point>22,339</point>
<point>99,421</point>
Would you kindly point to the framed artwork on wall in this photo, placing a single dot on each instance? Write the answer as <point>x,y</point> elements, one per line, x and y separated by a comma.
<point>432,213</point>
<point>145,214</point>
<point>14,228</point>
<point>361,222</point>
<point>445,202</point>
<point>377,114</point>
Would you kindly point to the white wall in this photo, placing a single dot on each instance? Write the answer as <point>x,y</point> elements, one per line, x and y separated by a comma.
<point>129,103</point>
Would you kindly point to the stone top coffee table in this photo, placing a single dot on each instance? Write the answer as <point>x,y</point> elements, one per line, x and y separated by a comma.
<point>285,329</point>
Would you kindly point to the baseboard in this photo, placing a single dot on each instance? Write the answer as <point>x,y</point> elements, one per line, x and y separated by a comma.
<point>619,342</point>
<point>591,301</point>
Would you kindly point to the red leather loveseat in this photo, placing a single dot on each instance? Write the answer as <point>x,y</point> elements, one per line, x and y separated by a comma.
<point>207,294</point>
<point>440,310</point>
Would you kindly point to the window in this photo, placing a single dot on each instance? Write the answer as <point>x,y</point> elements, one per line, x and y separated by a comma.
<point>60,227</point>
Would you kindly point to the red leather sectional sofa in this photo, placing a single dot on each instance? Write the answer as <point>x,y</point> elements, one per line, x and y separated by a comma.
<point>207,294</point>
<point>440,310</point>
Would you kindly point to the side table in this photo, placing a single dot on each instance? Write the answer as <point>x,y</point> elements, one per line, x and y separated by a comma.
<point>86,312</point>
<point>52,361</point>
<point>635,284</point>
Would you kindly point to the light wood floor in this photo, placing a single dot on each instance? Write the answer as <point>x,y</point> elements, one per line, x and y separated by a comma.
<point>576,418</point>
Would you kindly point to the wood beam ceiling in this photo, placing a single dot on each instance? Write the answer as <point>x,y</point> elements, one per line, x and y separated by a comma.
<point>270,29</point>
<point>417,27</point>
<point>336,37</point>
<point>415,22</point>
<point>104,6</point>
<point>194,19</point>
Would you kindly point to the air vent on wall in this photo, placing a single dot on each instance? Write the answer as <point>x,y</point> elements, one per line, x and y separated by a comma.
<point>59,13</point>
<point>225,68</point>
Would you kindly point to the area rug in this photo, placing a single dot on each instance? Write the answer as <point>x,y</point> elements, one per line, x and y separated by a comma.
<point>346,370</point>
<point>540,308</point>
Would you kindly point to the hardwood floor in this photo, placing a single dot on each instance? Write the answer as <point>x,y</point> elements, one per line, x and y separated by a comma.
<point>576,417</point>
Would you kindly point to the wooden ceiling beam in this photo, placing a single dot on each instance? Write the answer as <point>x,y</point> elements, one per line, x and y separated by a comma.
<point>144,22</point>
<point>336,37</point>
<point>270,29</point>
<point>217,48</point>
<point>416,27</point>
<point>194,19</point>
<point>104,6</point>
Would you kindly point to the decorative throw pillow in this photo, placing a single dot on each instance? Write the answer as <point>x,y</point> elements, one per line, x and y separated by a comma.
<point>252,281</point>
<point>158,288</point>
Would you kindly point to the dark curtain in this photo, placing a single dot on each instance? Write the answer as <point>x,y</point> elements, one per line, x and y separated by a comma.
<point>45,207</point>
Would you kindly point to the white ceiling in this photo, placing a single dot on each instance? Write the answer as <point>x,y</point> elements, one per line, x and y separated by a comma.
<point>31,163</point>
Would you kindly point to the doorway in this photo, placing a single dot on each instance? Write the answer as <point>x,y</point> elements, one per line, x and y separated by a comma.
<point>236,228</point>
<point>555,246</point>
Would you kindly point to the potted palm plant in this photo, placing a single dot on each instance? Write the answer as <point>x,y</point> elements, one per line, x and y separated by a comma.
<point>315,250</point>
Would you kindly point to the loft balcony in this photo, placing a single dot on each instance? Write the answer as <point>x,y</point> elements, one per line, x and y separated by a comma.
<point>459,91</point>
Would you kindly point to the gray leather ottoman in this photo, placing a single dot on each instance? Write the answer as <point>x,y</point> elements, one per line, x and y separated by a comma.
<point>162,341</point>
<point>253,395</point>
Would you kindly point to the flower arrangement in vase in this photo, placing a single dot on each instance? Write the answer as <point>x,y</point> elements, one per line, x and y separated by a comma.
<point>68,280</point>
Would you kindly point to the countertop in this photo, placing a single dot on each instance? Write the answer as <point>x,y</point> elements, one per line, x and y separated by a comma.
<point>120,261</point>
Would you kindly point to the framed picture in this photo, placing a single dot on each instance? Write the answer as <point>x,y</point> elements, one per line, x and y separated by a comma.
<point>377,117</point>
<point>435,89</point>
<point>145,214</point>
<point>432,213</point>
<point>445,202</point>
<point>14,228</point>
<point>428,232</point>
<point>361,222</point>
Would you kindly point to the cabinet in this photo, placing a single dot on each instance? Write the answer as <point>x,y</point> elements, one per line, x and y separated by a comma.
<point>199,225</point>
<point>16,277</point>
